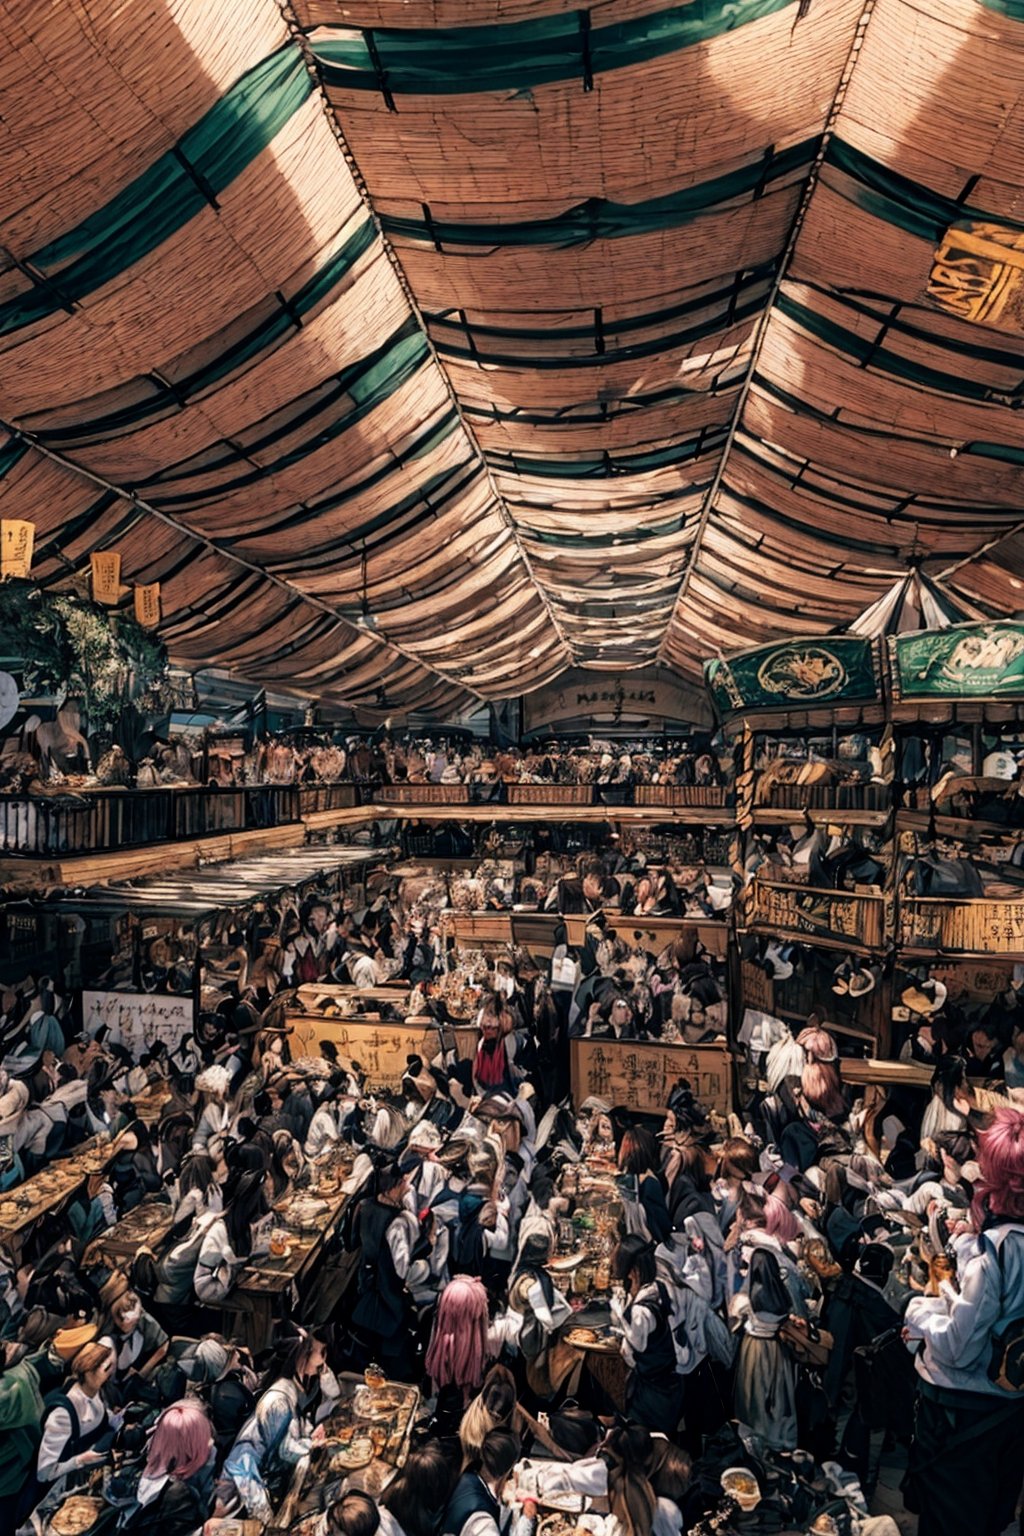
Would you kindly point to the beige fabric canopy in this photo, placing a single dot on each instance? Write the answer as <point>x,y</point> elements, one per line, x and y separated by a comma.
<point>424,349</point>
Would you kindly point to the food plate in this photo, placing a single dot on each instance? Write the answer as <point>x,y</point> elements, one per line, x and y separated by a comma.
<point>564,1265</point>
<point>285,1253</point>
<point>379,1403</point>
<point>589,1338</point>
<point>740,1484</point>
<point>351,1455</point>
<point>75,1516</point>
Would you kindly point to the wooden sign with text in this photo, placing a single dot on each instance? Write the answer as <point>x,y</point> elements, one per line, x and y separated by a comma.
<point>381,1049</point>
<point>640,1074</point>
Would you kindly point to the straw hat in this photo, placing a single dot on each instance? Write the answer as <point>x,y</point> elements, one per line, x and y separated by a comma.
<point>68,1341</point>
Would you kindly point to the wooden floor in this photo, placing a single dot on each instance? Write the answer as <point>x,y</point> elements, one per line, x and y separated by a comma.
<point>27,874</point>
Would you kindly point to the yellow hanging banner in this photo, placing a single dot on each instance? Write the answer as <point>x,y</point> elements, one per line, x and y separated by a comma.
<point>106,577</point>
<point>147,605</point>
<point>978,275</point>
<point>17,541</point>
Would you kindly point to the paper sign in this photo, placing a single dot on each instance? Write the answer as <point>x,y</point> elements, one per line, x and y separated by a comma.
<point>106,576</point>
<point>136,1019</point>
<point>382,1050</point>
<point>17,541</point>
<point>147,605</point>
<point>640,1075</point>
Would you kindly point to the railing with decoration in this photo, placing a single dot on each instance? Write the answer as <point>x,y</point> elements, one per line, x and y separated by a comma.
<point>948,925</point>
<point>835,919</point>
<point>97,820</point>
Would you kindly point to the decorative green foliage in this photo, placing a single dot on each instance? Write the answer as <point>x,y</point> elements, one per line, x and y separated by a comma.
<point>66,645</point>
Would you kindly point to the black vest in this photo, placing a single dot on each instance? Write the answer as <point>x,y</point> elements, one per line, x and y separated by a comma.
<point>658,1358</point>
<point>471,1497</point>
<point>382,1304</point>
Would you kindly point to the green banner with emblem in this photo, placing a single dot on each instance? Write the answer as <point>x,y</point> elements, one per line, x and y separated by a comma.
<point>968,661</point>
<point>795,674</point>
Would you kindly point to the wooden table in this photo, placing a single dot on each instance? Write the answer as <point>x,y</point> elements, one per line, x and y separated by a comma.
<point>314,1475</point>
<point>270,1289</point>
<point>46,1191</point>
<point>147,1226</point>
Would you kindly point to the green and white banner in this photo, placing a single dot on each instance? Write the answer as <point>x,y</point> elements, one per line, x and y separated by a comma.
<point>796,674</point>
<point>969,661</point>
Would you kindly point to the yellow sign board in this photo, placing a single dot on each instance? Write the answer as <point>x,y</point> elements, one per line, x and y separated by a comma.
<point>147,605</point>
<point>17,540</point>
<point>978,275</point>
<point>640,1074</point>
<point>106,576</point>
<point>381,1049</point>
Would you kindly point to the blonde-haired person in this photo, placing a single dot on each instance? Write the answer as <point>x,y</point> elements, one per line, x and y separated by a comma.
<point>137,1339</point>
<point>77,1429</point>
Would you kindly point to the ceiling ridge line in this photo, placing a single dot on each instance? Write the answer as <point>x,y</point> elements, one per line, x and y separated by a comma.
<point>299,38</point>
<point>761,328</point>
<point>979,554</point>
<point>135,500</point>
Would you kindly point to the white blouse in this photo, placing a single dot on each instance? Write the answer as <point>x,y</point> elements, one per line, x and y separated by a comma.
<point>90,1411</point>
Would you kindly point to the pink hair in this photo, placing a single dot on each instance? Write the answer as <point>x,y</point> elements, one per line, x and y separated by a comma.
<point>822,1088</point>
<point>181,1442</point>
<point>1000,1190</point>
<point>779,1220</point>
<point>817,1044</point>
<point>458,1344</point>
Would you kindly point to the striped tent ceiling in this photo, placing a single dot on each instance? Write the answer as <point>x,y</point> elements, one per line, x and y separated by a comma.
<point>545,336</point>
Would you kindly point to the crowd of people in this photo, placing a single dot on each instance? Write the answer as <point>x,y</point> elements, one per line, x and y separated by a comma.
<point>374,759</point>
<point>778,1286</point>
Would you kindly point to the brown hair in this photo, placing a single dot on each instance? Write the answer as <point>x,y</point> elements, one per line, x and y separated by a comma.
<point>89,1358</point>
<point>738,1158</point>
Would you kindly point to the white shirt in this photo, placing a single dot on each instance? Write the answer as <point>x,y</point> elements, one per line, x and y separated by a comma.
<point>90,1411</point>
<point>323,1131</point>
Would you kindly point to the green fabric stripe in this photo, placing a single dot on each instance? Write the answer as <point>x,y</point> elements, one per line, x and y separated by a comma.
<point>1013,10</point>
<point>729,292</point>
<point>883,358</point>
<point>607,465</point>
<point>591,417</point>
<point>598,219</point>
<point>898,200</point>
<point>247,347</point>
<point>605,541</point>
<point>424,503</point>
<point>363,387</point>
<point>1001,451</point>
<point>165,197</point>
<point>417,449</point>
<point>633,350</point>
<point>511,57</point>
<point>10,454</point>
<point>1002,357</point>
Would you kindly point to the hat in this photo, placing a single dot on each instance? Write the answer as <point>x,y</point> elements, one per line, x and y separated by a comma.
<point>113,1289</point>
<point>12,1103</point>
<point>68,1341</point>
<point>999,765</point>
<point>424,1137</point>
<point>38,1326</point>
<point>926,997</point>
<point>210,1360</point>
